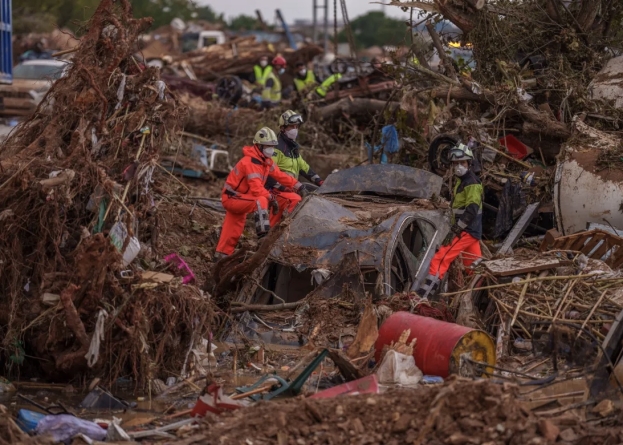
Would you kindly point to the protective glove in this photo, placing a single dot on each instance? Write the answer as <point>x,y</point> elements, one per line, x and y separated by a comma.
<point>455,230</point>
<point>448,239</point>
<point>302,191</point>
<point>283,188</point>
<point>273,205</point>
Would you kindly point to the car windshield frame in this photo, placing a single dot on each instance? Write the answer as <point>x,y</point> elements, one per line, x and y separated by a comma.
<point>38,71</point>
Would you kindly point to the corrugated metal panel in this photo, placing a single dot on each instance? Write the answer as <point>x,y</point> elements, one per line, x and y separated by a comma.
<point>6,47</point>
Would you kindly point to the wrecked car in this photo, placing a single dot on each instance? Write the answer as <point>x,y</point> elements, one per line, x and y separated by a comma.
<point>382,216</point>
<point>32,80</point>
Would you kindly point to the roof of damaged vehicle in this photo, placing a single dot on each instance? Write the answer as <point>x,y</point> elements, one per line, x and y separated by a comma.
<point>325,228</point>
<point>384,179</point>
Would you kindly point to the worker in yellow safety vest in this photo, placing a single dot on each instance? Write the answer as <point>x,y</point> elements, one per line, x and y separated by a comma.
<point>271,93</point>
<point>261,72</point>
<point>321,91</point>
<point>305,80</point>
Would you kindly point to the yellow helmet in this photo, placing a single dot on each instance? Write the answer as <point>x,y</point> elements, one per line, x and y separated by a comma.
<point>265,136</point>
<point>290,117</point>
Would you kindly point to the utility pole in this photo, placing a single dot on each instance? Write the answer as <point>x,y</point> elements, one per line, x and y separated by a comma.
<point>316,7</point>
<point>326,26</point>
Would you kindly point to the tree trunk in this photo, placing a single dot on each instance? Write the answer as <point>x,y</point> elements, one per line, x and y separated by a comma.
<point>351,107</point>
<point>459,18</point>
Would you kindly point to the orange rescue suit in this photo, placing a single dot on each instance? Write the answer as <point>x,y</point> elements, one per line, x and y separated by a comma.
<point>244,192</point>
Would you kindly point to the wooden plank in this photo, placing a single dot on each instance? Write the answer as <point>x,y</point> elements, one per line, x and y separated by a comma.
<point>506,267</point>
<point>605,246</point>
<point>518,229</point>
<point>590,245</point>
<point>617,261</point>
<point>577,245</point>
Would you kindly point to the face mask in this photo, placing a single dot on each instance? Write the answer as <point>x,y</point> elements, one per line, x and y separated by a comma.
<point>302,72</point>
<point>292,133</point>
<point>460,169</point>
<point>268,151</point>
<point>263,63</point>
<point>281,71</point>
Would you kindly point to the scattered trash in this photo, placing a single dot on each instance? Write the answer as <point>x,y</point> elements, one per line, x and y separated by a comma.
<point>28,420</point>
<point>175,259</point>
<point>365,385</point>
<point>100,399</point>
<point>114,432</point>
<point>398,369</point>
<point>215,401</point>
<point>63,428</point>
<point>441,346</point>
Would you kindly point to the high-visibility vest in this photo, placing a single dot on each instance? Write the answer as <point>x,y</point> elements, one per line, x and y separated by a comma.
<point>324,86</point>
<point>305,84</point>
<point>272,94</point>
<point>261,74</point>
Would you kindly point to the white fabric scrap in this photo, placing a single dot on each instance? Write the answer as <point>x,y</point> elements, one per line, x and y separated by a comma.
<point>160,85</point>
<point>320,276</point>
<point>94,142</point>
<point>120,92</point>
<point>94,348</point>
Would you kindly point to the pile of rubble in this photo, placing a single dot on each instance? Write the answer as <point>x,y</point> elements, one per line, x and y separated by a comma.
<point>107,262</point>
<point>80,200</point>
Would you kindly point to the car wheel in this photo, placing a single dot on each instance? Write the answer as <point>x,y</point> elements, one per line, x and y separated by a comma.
<point>229,89</point>
<point>438,153</point>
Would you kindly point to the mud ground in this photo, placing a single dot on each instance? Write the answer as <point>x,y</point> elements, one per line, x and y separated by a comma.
<point>460,412</point>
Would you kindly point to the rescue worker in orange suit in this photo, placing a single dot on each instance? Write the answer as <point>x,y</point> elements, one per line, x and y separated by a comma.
<point>290,161</point>
<point>244,191</point>
<point>466,232</point>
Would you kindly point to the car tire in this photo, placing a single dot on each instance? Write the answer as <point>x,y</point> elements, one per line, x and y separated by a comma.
<point>229,89</point>
<point>438,152</point>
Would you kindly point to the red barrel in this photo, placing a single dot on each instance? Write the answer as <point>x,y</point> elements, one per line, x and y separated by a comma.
<point>439,344</point>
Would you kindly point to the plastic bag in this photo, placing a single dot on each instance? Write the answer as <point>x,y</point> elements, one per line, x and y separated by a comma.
<point>63,427</point>
<point>398,369</point>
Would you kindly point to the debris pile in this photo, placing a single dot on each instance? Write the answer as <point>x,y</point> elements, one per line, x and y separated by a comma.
<point>80,204</point>
<point>459,412</point>
<point>235,57</point>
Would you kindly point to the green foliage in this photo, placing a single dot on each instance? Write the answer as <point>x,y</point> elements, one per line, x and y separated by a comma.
<point>18,353</point>
<point>375,28</point>
<point>45,15</point>
<point>243,23</point>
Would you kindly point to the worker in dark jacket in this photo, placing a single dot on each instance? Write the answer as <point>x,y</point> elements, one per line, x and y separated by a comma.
<point>289,160</point>
<point>466,232</point>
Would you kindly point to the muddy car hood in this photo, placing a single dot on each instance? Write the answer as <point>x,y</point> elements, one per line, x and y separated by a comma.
<point>25,85</point>
<point>326,228</point>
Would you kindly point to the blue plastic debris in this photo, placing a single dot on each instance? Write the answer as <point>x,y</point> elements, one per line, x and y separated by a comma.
<point>390,143</point>
<point>28,420</point>
<point>431,379</point>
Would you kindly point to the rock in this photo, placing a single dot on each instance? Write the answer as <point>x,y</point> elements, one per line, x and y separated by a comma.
<point>460,439</point>
<point>339,410</point>
<point>604,408</point>
<point>370,401</point>
<point>402,424</point>
<point>357,425</point>
<point>548,430</point>
<point>568,435</point>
